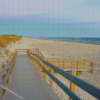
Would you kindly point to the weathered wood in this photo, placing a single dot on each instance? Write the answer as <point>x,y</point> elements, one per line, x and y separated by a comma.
<point>72,85</point>
<point>26,81</point>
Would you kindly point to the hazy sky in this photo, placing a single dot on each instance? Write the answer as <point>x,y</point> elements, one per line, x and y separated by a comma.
<point>69,18</point>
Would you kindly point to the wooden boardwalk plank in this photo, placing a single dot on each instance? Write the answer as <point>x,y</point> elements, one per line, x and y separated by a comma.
<point>26,81</point>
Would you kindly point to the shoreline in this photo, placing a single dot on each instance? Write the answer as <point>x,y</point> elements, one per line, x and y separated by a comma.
<point>65,41</point>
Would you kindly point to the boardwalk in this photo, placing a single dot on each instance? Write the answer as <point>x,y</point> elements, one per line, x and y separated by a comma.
<point>26,81</point>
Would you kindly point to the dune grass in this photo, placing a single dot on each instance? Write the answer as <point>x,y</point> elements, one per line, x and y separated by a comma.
<point>7,39</point>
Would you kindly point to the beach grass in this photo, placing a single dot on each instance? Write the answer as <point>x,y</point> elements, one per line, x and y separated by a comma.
<point>7,39</point>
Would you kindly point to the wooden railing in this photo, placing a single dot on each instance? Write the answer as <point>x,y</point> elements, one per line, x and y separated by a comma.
<point>70,63</point>
<point>91,89</point>
<point>78,64</point>
<point>5,72</point>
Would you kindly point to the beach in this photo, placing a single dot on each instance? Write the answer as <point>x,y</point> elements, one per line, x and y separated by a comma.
<point>63,50</point>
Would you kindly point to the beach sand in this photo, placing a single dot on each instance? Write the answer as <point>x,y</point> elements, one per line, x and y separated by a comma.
<point>63,50</point>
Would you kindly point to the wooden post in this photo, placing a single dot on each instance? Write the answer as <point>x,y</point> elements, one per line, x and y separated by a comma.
<point>45,75</point>
<point>71,62</point>
<point>12,67</point>
<point>3,65</point>
<point>40,66</point>
<point>8,79</point>
<point>36,59</point>
<point>48,66</point>
<point>33,59</point>
<point>3,76</point>
<point>30,56</point>
<point>14,59</point>
<point>4,89</point>
<point>72,85</point>
<point>84,62</point>
<point>7,61</point>
<point>13,63</point>
<point>91,69</point>
<point>63,64</point>
<point>36,62</point>
<point>7,69</point>
<point>4,73</point>
<point>9,55</point>
<point>58,61</point>
<point>40,62</point>
<point>27,52</point>
<point>77,67</point>
<point>39,53</point>
<point>51,81</point>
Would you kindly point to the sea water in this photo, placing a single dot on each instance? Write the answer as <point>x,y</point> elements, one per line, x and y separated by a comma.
<point>79,40</point>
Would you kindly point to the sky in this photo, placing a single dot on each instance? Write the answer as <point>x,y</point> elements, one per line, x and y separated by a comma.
<point>50,18</point>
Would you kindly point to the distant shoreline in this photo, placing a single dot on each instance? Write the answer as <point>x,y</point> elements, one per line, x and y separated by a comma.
<point>63,41</point>
<point>82,40</point>
<point>93,41</point>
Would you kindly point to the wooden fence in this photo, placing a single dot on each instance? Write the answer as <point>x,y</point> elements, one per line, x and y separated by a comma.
<point>64,63</point>
<point>5,72</point>
<point>38,60</point>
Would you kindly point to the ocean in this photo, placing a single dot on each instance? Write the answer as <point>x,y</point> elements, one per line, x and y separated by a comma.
<point>78,40</point>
